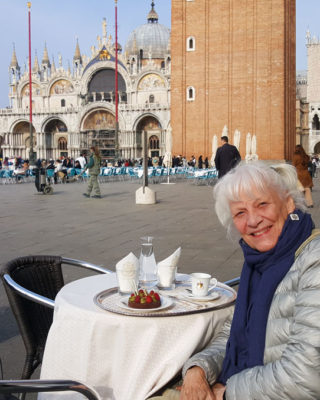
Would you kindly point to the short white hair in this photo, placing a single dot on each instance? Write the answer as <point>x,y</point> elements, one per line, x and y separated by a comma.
<point>279,178</point>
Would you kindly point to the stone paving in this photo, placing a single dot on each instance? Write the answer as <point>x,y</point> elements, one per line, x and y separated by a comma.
<point>103,231</point>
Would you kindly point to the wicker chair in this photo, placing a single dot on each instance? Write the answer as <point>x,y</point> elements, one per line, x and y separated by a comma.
<point>32,284</point>
<point>37,386</point>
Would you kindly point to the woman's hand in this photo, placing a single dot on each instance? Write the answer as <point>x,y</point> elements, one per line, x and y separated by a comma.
<point>218,390</point>
<point>195,386</point>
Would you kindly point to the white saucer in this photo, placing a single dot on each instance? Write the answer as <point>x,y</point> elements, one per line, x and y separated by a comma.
<point>209,297</point>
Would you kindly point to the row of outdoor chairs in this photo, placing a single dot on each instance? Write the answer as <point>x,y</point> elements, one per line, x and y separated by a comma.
<point>113,174</point>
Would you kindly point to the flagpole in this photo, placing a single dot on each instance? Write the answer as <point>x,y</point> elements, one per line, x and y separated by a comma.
<point>116,84</point>
<point>31,154</point>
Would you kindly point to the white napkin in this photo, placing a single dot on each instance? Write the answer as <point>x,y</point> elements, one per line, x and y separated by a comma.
<point>167,269</point>
<point>128,272</point>
<point>171,261</point>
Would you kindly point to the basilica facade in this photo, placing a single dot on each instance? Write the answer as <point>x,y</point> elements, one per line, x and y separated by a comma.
<point>74,108</point>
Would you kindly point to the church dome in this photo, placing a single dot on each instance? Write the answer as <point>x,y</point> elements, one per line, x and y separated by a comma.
<point>151,37</point>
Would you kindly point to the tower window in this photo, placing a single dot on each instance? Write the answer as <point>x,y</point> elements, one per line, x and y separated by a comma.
<point>191,93</point>
<point>63,103</point>
<point>191,43</point>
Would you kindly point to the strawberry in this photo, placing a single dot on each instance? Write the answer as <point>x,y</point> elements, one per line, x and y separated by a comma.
<point>141,291</point>
<point>137,299</point>
<point>149,299</point>
<point>156,296</point>
<point>151,292</point>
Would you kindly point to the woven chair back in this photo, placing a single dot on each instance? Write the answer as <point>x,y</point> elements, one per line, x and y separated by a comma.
<point>41,275</point>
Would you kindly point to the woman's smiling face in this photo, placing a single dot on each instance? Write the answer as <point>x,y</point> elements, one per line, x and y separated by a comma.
<point>260,218</point>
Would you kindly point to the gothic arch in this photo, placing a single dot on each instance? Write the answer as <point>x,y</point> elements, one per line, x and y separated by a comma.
<point>316,148</point>
<point>138,122</point>
<point>60,86</point>
<point>93,69</point>
<point>47,121</point>
<point>16,125</point>
<point>98,119</point>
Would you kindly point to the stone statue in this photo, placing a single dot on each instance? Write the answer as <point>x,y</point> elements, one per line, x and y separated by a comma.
<point>104,28</point>
<point>60,60</point>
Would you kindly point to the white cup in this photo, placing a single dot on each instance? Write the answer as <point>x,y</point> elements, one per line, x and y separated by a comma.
<point>166,276</point>
<point>128,278</point>
<point>200,283</point>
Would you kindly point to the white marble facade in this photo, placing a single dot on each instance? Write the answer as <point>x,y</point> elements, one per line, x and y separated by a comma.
<point>75,109</point>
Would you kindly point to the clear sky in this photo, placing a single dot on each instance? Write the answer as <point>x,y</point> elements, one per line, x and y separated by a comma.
<point>60,22</point>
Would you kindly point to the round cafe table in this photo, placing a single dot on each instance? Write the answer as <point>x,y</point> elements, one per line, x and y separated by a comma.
<point>121,356</point>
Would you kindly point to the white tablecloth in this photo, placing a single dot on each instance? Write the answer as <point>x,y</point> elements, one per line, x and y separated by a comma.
<point>121,357</point>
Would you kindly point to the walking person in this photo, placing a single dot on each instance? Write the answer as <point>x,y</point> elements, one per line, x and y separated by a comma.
<point>301,161</point>
<point>227,157</point>
<point>94,170</point>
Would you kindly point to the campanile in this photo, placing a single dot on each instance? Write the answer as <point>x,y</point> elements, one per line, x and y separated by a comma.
<point>233,64</point>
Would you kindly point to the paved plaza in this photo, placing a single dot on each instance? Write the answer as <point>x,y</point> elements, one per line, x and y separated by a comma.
<point>105,230</point>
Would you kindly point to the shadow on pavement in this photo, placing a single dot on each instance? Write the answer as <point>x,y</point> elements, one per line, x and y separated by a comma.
<point>9,328</point>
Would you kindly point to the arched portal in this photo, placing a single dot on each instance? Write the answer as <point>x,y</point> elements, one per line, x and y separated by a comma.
<point>53,131</point>
<point>102,86</point>
<point>317,148</point>
<point>152,126</point>
<point>20,140</point>
<point>98,129</point>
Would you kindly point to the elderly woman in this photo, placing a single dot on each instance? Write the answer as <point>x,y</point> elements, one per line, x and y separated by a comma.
<point>271,350</point>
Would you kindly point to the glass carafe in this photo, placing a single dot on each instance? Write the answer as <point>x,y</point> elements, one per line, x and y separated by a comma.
<point>148,266</point>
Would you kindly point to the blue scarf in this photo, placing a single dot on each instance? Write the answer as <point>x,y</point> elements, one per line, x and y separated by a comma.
<point>260,276</point>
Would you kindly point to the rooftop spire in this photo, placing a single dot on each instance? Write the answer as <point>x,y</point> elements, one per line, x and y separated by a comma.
<point>45,58</point>
<point>77,54</point>
<point>36,67</point>
<point>152,16</point>
<point>14,61</point>
<point>53,66</point>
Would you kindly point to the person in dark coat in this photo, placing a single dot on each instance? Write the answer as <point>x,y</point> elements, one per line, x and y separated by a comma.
<point>206,163</point>
<point>200,162</point>
<point>227,157</point>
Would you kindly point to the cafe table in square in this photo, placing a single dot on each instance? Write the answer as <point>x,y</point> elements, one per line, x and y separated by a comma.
<point>120,353</point>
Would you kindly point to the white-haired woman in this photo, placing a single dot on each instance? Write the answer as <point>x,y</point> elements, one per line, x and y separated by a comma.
<point>271,350</point>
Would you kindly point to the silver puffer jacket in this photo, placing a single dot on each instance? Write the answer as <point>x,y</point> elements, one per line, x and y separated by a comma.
<point>291,369</point>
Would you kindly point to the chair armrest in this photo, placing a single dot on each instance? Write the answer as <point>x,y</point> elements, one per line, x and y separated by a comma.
<point>233,282</point>
<point>27,293</point>
<point>37,386</point>
<point>84,264</point>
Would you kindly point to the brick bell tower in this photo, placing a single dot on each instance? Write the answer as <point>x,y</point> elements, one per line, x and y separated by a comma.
<point>233,64</point>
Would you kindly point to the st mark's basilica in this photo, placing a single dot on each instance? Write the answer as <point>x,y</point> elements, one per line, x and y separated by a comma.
<point>74,108</point>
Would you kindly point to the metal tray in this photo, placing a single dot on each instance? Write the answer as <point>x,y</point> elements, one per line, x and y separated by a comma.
<point>109,300</point>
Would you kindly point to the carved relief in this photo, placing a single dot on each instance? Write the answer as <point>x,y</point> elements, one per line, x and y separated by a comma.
<point>61,87</point>
<point>99,120</point>
<point>36,91</point>
<point>151,81</point>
